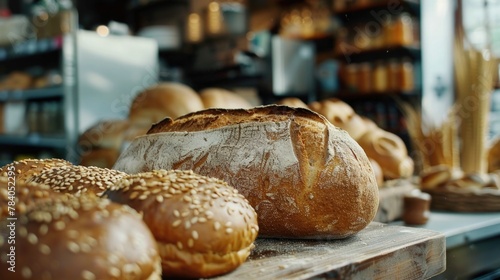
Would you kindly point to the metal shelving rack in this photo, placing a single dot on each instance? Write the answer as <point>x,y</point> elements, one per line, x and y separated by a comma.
<point>100,77</point>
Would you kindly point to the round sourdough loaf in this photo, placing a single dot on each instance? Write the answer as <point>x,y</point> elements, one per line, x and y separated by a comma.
<point>304,177</point>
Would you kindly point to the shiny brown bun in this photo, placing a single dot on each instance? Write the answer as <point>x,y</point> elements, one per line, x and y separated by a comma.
<point>163,100</point>
<point>27,168</point>
<point>17,198</point>
<point>80,238</point>
<point>222,98</point>
<point>304,177</point>
<point>203,226</point>
<point>77,179</point>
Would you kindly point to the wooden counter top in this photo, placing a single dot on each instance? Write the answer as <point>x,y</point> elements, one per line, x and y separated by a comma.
<point>379,251</point>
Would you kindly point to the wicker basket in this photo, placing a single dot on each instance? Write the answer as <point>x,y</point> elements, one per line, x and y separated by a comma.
<point>465,200</point>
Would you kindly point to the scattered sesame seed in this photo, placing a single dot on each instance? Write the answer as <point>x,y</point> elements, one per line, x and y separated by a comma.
<point>87,275</point>
<point>176,223</point>
<point>26,272</point>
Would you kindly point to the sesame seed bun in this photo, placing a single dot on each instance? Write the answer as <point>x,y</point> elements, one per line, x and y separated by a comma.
<point>24,170</point>
<point>82,237</point>
<point>203,226</point>
<point>23,196</point>
<point>77,179</point>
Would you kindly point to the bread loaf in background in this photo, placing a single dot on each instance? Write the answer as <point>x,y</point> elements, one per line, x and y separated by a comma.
<point>494,156</point>
<point>293,102</point>
<point>389,151</point>
<point>167,99</point>
<point>304,177</point>
<point>385,148</point>
<point>222,98</point>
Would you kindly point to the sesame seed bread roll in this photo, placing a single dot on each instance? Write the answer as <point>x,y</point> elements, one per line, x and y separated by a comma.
<point>82,237</point>
<point>203,227</point>
<point>304,177</point>
<point>25,169</point>
<point>20,197</point>
<point>77,179</point>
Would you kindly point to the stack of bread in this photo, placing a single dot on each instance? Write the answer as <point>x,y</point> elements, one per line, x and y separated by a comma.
<point>76,222</point>
<point>102,143</point>
<point>387,152</point>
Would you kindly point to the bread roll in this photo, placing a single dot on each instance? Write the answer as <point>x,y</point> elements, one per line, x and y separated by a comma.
<point>80,238</point>
<point>163,100</point>
<point>379,174</point>
<point>203,227</point>
<point>494,156</point>
<point>104,158</point>
<point>221,98</point>
<point>18,198</point>
<point>438,176</point>
<point>341,115</point>
<point>293,102</point>
<point>108,134</point>
<point>304,177</point>
<point>27,168</point>
<point>389,151</point>
<point>77,180</point>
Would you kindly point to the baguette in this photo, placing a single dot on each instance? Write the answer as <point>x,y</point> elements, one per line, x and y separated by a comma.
<point>304,177</point>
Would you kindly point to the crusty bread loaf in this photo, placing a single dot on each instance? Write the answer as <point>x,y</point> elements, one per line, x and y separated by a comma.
<point>389,151</point>
<point>304,177</point>
<point>341,115</point>
<point>163,100</point>
<point>222,98</point>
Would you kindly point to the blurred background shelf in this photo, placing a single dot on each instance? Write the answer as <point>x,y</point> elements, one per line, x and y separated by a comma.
<point>32,94</point>
<point>34,140</point>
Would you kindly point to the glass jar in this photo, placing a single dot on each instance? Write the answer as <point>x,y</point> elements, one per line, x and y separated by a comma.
<point>380,77</point>
<point>406,75</point>
<point>351,73</point>
<point>403,30</point>
<point>393,76</point>
<point>365,78</point>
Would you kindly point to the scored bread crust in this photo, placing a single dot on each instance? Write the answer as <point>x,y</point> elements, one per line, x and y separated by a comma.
<point>304,177</point>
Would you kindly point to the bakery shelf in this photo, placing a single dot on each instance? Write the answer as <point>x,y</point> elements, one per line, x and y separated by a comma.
<point>153,4</point>
<point>357,96</point>
<point>33,140</point>
<point>32,94</point>
<point>30,47</point>
<point>347,13</point>
<point>384,53</point>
